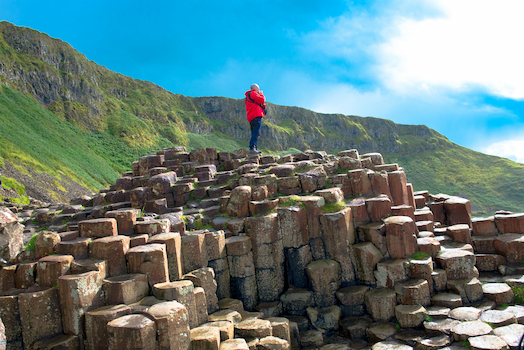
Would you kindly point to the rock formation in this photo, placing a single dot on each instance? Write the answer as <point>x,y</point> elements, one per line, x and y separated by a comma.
<point>218,250</point>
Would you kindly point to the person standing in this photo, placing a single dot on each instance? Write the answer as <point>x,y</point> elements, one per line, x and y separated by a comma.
<point>255,111</point>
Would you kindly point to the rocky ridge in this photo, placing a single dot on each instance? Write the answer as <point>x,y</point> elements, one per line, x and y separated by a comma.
<point>219,250</point>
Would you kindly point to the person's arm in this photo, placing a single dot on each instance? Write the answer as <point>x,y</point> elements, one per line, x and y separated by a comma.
<point>258,97</point>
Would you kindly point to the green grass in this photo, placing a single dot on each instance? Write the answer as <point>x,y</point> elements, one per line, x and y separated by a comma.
<point>420,256</point>
<point>490,183</point>
<point>31,244</point>
<point>333,207</point>
<point>14,185</point>
<point>519,294</point>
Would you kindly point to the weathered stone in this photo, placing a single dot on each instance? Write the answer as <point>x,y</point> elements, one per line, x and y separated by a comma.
<point>153,227</point>
<point>366,257</point>
<point>66,342</point>
<point>292,226</point>
<point>96,324</point>
<point>400,236</point>
<point>125,220</point>
<point>11,235</point>
<point>463,331</point>
<point>241,265</point>
<point>245,289</point>
<point>484,226</point>
<point>24,276</point>
<point>270,282</point>
<point>45,243</point>
<point>497,318</point>
<point>113,250</point>
<point>171,321</point>
<point>470,289</point>
<point>500,293</point>
<point>194,253</point>
<point>511,334</point>
<point>296,261</point>
<point>78,248</point>
<point>225,315</point>
<point>205,278</point>
<point>151,260</point>
<point>429,245</point>
<point>39,315</point>
<point>234,344</point>
<point>325,319</point>
<point>378,208</point>
<point>376,234</point>
<point>450,300</point>
<point>391,272</point>
<point>324,279</point>
<point>253,328</point>
<point>272,343</point>
<point>465,313</point>
<point>380,304</point>
<point>360,184</point>
<point>173,243</point>
<point>125,289</point>
<point>86,265</point>
<point>460,233</point>
<point>280,328</point>
<point>313,206</point>
<point>413,292</point>
<point>263,229</point>
<point>458,263</point>
<point>226,329</point>
<point>311,338</point>
<point>132,332</point>
<point>440,326</point>
<point>238,245</point>
<point>511,246</point>
<point>458,211</point>
<point>398,186</point>
<point>79,294</point>
<point>510,223</point>
<point>491,342</point>
<point>354,328</point>
<point>97,228</point>
<point>409,316</point>
<point>181,291</point>
<point>49,268</point>
<point>380,331</point>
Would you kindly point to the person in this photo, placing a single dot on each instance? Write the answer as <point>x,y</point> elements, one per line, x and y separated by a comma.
<point>255,111</point>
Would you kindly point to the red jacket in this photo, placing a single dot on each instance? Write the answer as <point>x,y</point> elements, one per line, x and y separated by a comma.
<point>254,110</point>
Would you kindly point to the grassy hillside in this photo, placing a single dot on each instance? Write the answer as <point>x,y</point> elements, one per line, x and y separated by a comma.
<point>69,126</point>
<point>490,183</point>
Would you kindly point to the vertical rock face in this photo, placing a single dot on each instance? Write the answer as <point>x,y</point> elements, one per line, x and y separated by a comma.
<point>263,240</point>
<point>401,238</point>
<point>11,235</point>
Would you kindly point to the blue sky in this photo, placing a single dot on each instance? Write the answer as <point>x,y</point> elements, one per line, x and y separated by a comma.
<point>455,66</point>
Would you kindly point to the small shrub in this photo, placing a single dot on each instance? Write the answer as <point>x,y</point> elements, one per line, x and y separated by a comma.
<point>429,318</point>
<point>290,201</point>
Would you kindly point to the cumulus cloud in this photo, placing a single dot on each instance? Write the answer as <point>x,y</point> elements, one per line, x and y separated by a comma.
<point>512,149</point>
<point>471,44</point>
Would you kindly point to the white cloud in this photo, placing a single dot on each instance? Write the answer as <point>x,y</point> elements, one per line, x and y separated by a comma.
<point>474,43</point>
<point>512,149</point>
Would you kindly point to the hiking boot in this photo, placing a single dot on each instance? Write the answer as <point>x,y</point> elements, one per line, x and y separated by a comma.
<point>254,152</point>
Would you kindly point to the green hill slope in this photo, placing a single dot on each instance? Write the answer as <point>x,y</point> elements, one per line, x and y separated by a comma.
<point>68,125</point>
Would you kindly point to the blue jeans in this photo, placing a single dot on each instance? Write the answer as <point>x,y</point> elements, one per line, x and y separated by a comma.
<point>256,124</point>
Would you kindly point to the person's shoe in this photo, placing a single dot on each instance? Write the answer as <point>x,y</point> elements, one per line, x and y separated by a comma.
<point>253,152</point>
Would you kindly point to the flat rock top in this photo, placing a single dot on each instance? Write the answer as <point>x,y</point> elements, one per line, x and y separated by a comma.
<point>465,313</point>
<point>495,288</point>
<point>490,342</point>
<point>510,334</point>
<point>498,318</point>
<point>131,321</point>
<point>471,329</point>
<point>398,220</point>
